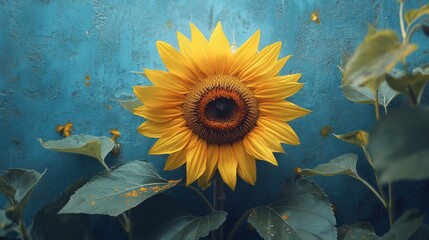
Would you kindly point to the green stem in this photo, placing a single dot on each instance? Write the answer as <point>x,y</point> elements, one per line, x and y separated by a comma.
<point>411,32</point>
<point>23,230</point>
<point>372,190</point>
<point>377,110</point>
<point>401,20</point>
<point>201,195</point>
<point>390,209</point>
<point>377,179</point>
<point>126,224</point>
<point>218,203</point>
<point>237,224</point>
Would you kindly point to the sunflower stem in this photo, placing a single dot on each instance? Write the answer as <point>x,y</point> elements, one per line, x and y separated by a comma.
<point>218,204</point>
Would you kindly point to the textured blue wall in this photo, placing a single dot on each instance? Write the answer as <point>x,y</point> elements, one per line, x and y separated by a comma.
<point>48,48</point>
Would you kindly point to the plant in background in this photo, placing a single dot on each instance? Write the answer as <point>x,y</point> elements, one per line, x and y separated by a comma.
<point>398,147</point>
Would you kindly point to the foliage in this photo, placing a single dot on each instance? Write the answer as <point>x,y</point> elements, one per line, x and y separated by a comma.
<point>114,192</point>
<point>303,212</point>
<point>400,145</point>
<point>17,185</point>
<point>93,146</point>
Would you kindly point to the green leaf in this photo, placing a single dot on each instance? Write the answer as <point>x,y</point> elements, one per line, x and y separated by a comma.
<point>130,105</point>
<point>411,85</point>
<point>114,192</point>
<point>359,138</point>
<point>421,233</point>
<point>405,226</point>
<point>193,228</point>
<point>376,56</point>
<point>49,225</point>
<point>344,164</point>
<point>18,184</point>
<point>304,212</point>
<point>358,231</point>
<point>400,145</point>
<point>93,146</point>
<point>414,14</point>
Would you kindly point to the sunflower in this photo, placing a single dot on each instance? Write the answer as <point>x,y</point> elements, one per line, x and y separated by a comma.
<point>218,109</point>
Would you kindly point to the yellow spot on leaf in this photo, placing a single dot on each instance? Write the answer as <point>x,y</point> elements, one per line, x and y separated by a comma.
<point>65,129</point>
<point>315,16</point>
<point>143,189</point>
<point>325,131</point>
<point>92,203</point>
<point>116,189</point>
<point>285,217</point>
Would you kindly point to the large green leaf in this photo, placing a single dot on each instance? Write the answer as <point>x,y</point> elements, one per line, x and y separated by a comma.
<point>414,14</point>
<point>376,56</point>
<point>49,225</point>
<point>192,227</point>
<point>114,192</point>
<point>345,164</point>
<point>359,138</point>
<point>400,145</point>
<point>422,233</point>
<point>93,146</point>
<point>18,184</point>
<point>303,213</point>
<point>405,226</point>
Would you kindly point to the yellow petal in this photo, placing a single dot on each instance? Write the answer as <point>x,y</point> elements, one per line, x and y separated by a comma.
<point>272,141</point>
<point>265,59</point>
<point>196,159</point>
<point>212,158</point>
<point>200,52</point>
<point>275,91</point>
<point>171,142</point>
<point>158,114</point>
<point>168,80</point>
<point>153,96</point>
<point>283,110</point>
<point>281,130</point>
<point>270,71</point>
<point>244,54</point>
<point>246,168</point>
<point>258,148</point>
<point>175,160</point>
<point>175,62</point>
<point>219,49</point>
<point>286,78</point>
<point>185,46</point>
<point>227,165</point>
<point>156,130</point>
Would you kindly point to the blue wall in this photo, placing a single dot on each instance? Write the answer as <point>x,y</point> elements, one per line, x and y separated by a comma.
<point>48,48</point>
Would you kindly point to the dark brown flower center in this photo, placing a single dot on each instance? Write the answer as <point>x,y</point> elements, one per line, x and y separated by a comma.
<point>221,109</point>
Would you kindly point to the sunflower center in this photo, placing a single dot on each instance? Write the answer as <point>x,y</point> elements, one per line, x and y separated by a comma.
<point>221,109</point>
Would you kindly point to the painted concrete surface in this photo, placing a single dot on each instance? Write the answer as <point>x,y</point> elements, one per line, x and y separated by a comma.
<point>71,60</point>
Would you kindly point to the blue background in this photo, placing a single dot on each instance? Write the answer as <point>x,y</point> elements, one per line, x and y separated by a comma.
<point>48,48</point>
